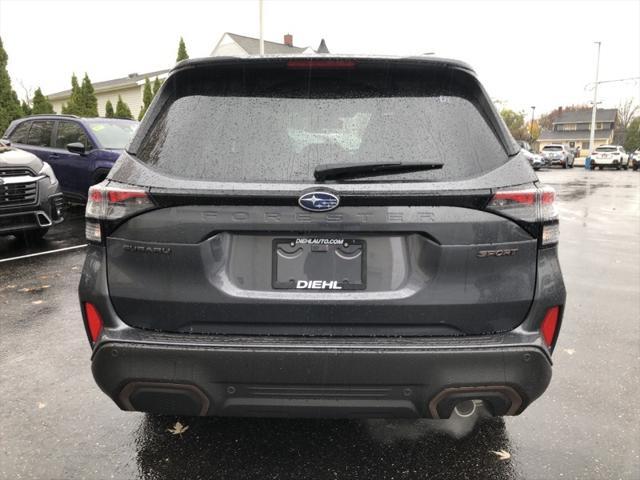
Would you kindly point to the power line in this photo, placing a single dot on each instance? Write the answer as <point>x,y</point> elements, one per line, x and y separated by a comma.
<point>590,86</point>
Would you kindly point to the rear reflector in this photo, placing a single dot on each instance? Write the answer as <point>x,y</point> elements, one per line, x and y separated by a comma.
<point>550,234</point>
<point>92,230</point>
<point>321,64</point>
<point>94,321</point>
<point>549,327</point>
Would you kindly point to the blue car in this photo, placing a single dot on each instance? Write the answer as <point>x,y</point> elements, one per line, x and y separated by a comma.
<point>81,151</point>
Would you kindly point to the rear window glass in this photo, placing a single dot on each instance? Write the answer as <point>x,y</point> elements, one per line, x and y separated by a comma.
<point>552,149</point>
<point>279,124</point>
<point>606,149</point>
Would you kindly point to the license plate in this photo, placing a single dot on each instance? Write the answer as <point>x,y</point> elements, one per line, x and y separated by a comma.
<point>319,263</point>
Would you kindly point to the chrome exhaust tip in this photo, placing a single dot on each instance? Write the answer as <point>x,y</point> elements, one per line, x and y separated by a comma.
<point>466,408</point>
<point>498,400</point>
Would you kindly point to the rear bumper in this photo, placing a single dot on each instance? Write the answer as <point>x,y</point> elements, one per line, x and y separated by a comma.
<point>555,161</point>
<point>607,162</point>
<point>302,378</point>
<point>410,377</point>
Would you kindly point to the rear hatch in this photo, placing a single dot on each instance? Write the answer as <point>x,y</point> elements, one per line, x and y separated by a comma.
<point>230,233</point>
<point>605,154</point>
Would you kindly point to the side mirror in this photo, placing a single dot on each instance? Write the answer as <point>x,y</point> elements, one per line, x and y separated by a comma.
<point>76,147</point>
<point>5,142</point>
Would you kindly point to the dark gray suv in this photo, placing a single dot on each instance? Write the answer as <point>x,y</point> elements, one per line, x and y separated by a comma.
<point>322,236</point>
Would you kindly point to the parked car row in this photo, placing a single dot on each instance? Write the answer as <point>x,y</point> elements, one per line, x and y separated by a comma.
<point>604,156</point>
<point>81,151</point>
<point>46,157</point>
<point>550,155</point>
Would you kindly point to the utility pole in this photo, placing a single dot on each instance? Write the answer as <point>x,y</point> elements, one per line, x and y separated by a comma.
<point>592,134</point>
<point>533,109</point>
<point>262,37</point>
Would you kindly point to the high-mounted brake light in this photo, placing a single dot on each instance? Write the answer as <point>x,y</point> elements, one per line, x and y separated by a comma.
<point>321,64</point>
<point>94,321</point>
<point>549,326</point>
<point>112,203</point>
<point>531,205</point>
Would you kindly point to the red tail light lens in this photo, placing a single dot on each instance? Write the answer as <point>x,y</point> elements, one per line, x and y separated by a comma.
<point>120,196</point>
<point>113,203</point>
<point>505,198</point>
<point>532,205</point>
<point>549,327</point>
<point>94,321</point>
<point>321,64</point>
<point>516,204</point>
<point>95,194</point>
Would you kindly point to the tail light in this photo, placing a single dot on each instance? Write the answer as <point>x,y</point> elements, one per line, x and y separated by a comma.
<point>94,321</point>
<point>110,203</point>
<point>549,326</point>
<point>530,205</point>
<point>319,64</point>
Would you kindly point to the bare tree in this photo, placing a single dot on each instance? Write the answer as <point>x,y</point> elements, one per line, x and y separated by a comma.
<point>28,92</point>
<point>546,120</point>
<point>626,112</point>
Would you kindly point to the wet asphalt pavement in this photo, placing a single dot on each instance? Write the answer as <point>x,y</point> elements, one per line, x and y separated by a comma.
<point>55,423</point>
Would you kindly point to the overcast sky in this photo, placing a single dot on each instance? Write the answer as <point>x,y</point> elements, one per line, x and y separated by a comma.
<point>526,53</point>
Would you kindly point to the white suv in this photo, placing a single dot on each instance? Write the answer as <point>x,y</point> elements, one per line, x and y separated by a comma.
<point>612,156</point>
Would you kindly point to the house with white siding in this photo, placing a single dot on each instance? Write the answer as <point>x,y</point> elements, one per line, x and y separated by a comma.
<point>232,44</point>
<point>131,87</point>
<point>574,128</point>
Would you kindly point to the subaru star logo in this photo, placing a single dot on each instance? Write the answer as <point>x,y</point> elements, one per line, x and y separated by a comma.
<point>318,201</point>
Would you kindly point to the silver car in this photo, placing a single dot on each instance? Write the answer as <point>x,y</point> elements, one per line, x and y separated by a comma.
<point>557,154</point>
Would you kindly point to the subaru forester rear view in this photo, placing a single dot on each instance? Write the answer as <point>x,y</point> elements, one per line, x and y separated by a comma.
<point>322,236</point>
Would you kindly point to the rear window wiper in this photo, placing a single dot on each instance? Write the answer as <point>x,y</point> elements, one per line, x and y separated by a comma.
<point>339,171</point>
